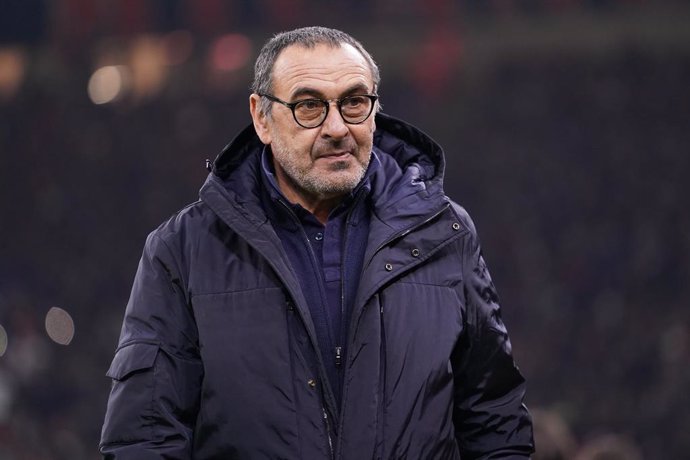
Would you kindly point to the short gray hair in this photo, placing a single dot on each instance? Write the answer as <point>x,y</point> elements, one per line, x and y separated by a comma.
<point>307,37</point>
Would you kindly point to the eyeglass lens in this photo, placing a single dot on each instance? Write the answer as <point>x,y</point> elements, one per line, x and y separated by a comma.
<point>354,109</point>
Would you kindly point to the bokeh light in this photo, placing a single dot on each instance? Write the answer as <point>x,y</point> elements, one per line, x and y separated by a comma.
<point>231,52</point>
<point>59,326</point>
<point>147,62</point>
<point>12,70</point>
<point>107,84</point>
<point>178,46</point>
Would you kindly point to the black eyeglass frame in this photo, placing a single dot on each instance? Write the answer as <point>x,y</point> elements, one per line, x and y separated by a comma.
<point>327,102</point>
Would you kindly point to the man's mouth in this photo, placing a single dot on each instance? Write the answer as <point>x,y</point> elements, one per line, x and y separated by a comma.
<point>335,155</point>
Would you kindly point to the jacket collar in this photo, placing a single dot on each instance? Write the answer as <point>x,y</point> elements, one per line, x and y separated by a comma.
<point>403,141</point>
<point>406,184</point>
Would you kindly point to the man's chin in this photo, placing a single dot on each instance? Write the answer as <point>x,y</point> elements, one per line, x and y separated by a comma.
<point>343,183</point>
<point>340,165</point>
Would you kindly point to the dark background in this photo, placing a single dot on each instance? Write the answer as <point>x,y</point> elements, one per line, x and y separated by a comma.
<point>565,125</point>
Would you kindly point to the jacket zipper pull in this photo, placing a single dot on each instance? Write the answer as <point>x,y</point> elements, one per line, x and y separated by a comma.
<point>338,356</point>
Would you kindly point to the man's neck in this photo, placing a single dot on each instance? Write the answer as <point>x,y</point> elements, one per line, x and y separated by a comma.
<point>320,207</point>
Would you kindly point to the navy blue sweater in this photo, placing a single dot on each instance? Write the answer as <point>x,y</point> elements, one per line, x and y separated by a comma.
<point>326,258</point>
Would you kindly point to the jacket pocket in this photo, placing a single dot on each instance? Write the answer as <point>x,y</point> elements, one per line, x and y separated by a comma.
<point>132,358</point>
<point>129,416</point>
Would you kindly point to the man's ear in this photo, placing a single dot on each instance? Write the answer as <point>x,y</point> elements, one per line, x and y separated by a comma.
<point>259,119</point>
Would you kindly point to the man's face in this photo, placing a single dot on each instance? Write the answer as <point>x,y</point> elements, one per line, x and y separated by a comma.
<point>328,161</point>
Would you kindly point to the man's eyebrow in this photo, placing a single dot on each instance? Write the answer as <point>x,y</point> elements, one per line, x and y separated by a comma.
<point>305,91</point>
<point>300,92</point>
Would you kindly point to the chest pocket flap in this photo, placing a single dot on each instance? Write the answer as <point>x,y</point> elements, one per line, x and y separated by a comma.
<point>132,358</point>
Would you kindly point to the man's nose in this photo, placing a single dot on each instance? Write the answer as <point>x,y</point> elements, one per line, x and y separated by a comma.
<point>334,125</point>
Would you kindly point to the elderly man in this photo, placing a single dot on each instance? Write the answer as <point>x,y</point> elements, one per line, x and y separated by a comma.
<point>324,299</point>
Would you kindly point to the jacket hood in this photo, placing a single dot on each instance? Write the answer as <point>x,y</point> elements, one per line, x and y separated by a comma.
<point>411,165</point>
<point>406,143</point>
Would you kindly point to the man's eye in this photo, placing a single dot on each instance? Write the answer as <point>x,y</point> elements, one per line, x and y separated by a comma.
<point>354,101</point>
<point>310,104</point>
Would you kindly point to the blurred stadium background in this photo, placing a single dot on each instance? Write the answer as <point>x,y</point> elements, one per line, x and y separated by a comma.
<point>566,128</point>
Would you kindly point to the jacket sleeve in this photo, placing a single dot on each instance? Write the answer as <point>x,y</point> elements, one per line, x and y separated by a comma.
<point>156,372</point>
<point>490,419</point>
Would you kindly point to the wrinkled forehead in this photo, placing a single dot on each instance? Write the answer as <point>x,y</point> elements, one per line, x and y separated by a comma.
<point>325,68</point>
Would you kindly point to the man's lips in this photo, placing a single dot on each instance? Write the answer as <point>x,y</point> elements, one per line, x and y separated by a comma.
<point>336,154</point>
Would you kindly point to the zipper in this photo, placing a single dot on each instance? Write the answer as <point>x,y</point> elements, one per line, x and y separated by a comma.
<point>381,412</point>
<point>328,432</point>
<point>343,319</point>
<point>338,356</point>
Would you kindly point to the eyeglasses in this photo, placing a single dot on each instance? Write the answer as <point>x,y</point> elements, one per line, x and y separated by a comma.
<point>311,113</point>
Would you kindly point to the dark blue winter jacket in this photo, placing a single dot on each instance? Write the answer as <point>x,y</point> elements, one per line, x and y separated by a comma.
<point>218,357</point>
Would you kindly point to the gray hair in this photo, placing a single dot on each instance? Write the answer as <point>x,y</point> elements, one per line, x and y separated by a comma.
<point>307,37</point>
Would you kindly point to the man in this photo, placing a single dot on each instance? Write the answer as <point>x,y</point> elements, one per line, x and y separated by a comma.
<point>324,299</point>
